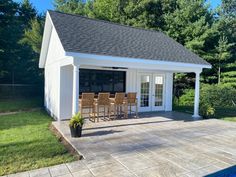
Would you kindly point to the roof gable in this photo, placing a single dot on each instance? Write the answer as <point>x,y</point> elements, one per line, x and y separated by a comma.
<point>84,35</point>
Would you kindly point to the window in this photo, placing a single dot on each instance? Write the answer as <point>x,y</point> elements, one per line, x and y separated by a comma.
<point>101,81</point>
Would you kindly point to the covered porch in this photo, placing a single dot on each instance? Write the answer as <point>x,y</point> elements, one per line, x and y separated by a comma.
<point>151,80</point>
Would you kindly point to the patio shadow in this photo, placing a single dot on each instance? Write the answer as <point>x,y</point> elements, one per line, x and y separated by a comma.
<point>129,124</point>
<point>101,133</point>
<point>177,116</point>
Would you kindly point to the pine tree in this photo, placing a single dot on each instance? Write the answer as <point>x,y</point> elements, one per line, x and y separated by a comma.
<point>222,54</point>
<point>33,35</point>
<point>8,11</point>
<point>229,74</point>
<point>71,6</point>
<point>16,58</point>
<point>147,14</point>
<point>227,26</point>
<point>191,24</point>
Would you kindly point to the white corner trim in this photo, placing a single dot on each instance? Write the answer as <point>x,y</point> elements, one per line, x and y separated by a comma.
<point>135,60</point>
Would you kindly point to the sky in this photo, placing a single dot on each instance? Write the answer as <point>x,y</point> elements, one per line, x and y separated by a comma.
<point>43,5</point>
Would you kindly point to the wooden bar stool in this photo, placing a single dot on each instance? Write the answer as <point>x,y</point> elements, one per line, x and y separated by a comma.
<point>132,102</point>
<point>119,104</point>
<point>86,103</point>
<point>103,102</point>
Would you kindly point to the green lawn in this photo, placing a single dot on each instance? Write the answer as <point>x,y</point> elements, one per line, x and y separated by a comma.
<point>228,114</point>
<point>26,143</point>
<point>8,105</point>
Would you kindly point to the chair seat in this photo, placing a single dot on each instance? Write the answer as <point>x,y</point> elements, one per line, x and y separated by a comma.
<point>86,106</point>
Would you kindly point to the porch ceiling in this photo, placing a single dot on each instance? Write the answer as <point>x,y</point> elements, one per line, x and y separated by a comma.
<point>131,63</point>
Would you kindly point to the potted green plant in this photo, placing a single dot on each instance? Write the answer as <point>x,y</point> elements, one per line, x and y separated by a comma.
<point>76,124</point>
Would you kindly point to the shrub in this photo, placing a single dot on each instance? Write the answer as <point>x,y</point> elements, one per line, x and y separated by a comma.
<point>214,95</point>
<point>207,111</point>
<point>217,95</point>
<point>187,99</point>
<point>211,98</point>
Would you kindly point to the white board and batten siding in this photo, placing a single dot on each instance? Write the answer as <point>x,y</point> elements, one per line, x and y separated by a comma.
<point>131,81</point>
<point>52,75</point>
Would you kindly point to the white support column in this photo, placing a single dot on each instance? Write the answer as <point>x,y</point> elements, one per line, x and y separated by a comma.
<point>75,103</point>
<point>168,91</point>
<point>197,96</point>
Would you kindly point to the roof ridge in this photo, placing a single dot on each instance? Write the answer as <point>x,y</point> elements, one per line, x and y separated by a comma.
<point>110,22</point>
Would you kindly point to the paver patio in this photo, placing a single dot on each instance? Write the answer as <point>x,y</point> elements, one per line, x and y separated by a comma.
<point>156,144</point>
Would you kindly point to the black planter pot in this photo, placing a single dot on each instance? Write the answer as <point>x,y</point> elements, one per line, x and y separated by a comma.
<point>76,132</point>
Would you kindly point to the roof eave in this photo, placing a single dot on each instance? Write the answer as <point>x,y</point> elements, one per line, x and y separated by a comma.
<point>147,61</point>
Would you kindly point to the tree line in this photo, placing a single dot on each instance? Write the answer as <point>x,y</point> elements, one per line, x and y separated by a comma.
<point>210,33</point>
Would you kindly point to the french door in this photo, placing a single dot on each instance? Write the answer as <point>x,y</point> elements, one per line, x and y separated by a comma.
<point>151,92</point>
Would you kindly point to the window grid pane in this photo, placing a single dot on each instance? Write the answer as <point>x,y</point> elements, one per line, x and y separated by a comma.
<point>145,84</point>
<point>158,90</point>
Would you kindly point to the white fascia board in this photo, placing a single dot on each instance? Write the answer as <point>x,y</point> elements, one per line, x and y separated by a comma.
<point>99,60</point>
<point>46,40</point>
<point>48,27</point>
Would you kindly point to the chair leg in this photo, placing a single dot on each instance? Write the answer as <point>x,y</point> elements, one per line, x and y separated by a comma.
<point>126,111</point>
<point>115,111</point>
<point>94,119</point>
<point>136,111</point>
<point>109,113</point>
<point>104,112</point>
<point>97,113</point>
<point>118,111</point>
<point>130,109</point>
<point>89,112</point>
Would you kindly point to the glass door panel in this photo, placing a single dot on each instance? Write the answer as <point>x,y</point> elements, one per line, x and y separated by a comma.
<point>145,92</point>
<point>145,87</point>
<point>158,92</point>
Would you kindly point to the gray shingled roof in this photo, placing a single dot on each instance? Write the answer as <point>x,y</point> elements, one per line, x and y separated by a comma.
<point>85,35</point>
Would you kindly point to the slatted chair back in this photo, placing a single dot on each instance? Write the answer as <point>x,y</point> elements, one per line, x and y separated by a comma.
<point>103,99</point>
<point>131,97</point>
<point>119,98</point>
<point>87,99</point>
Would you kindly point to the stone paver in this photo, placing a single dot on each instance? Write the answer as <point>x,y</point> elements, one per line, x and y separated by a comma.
<point>154,145</point>
<point>59,170</point>
<point>44,172</point>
